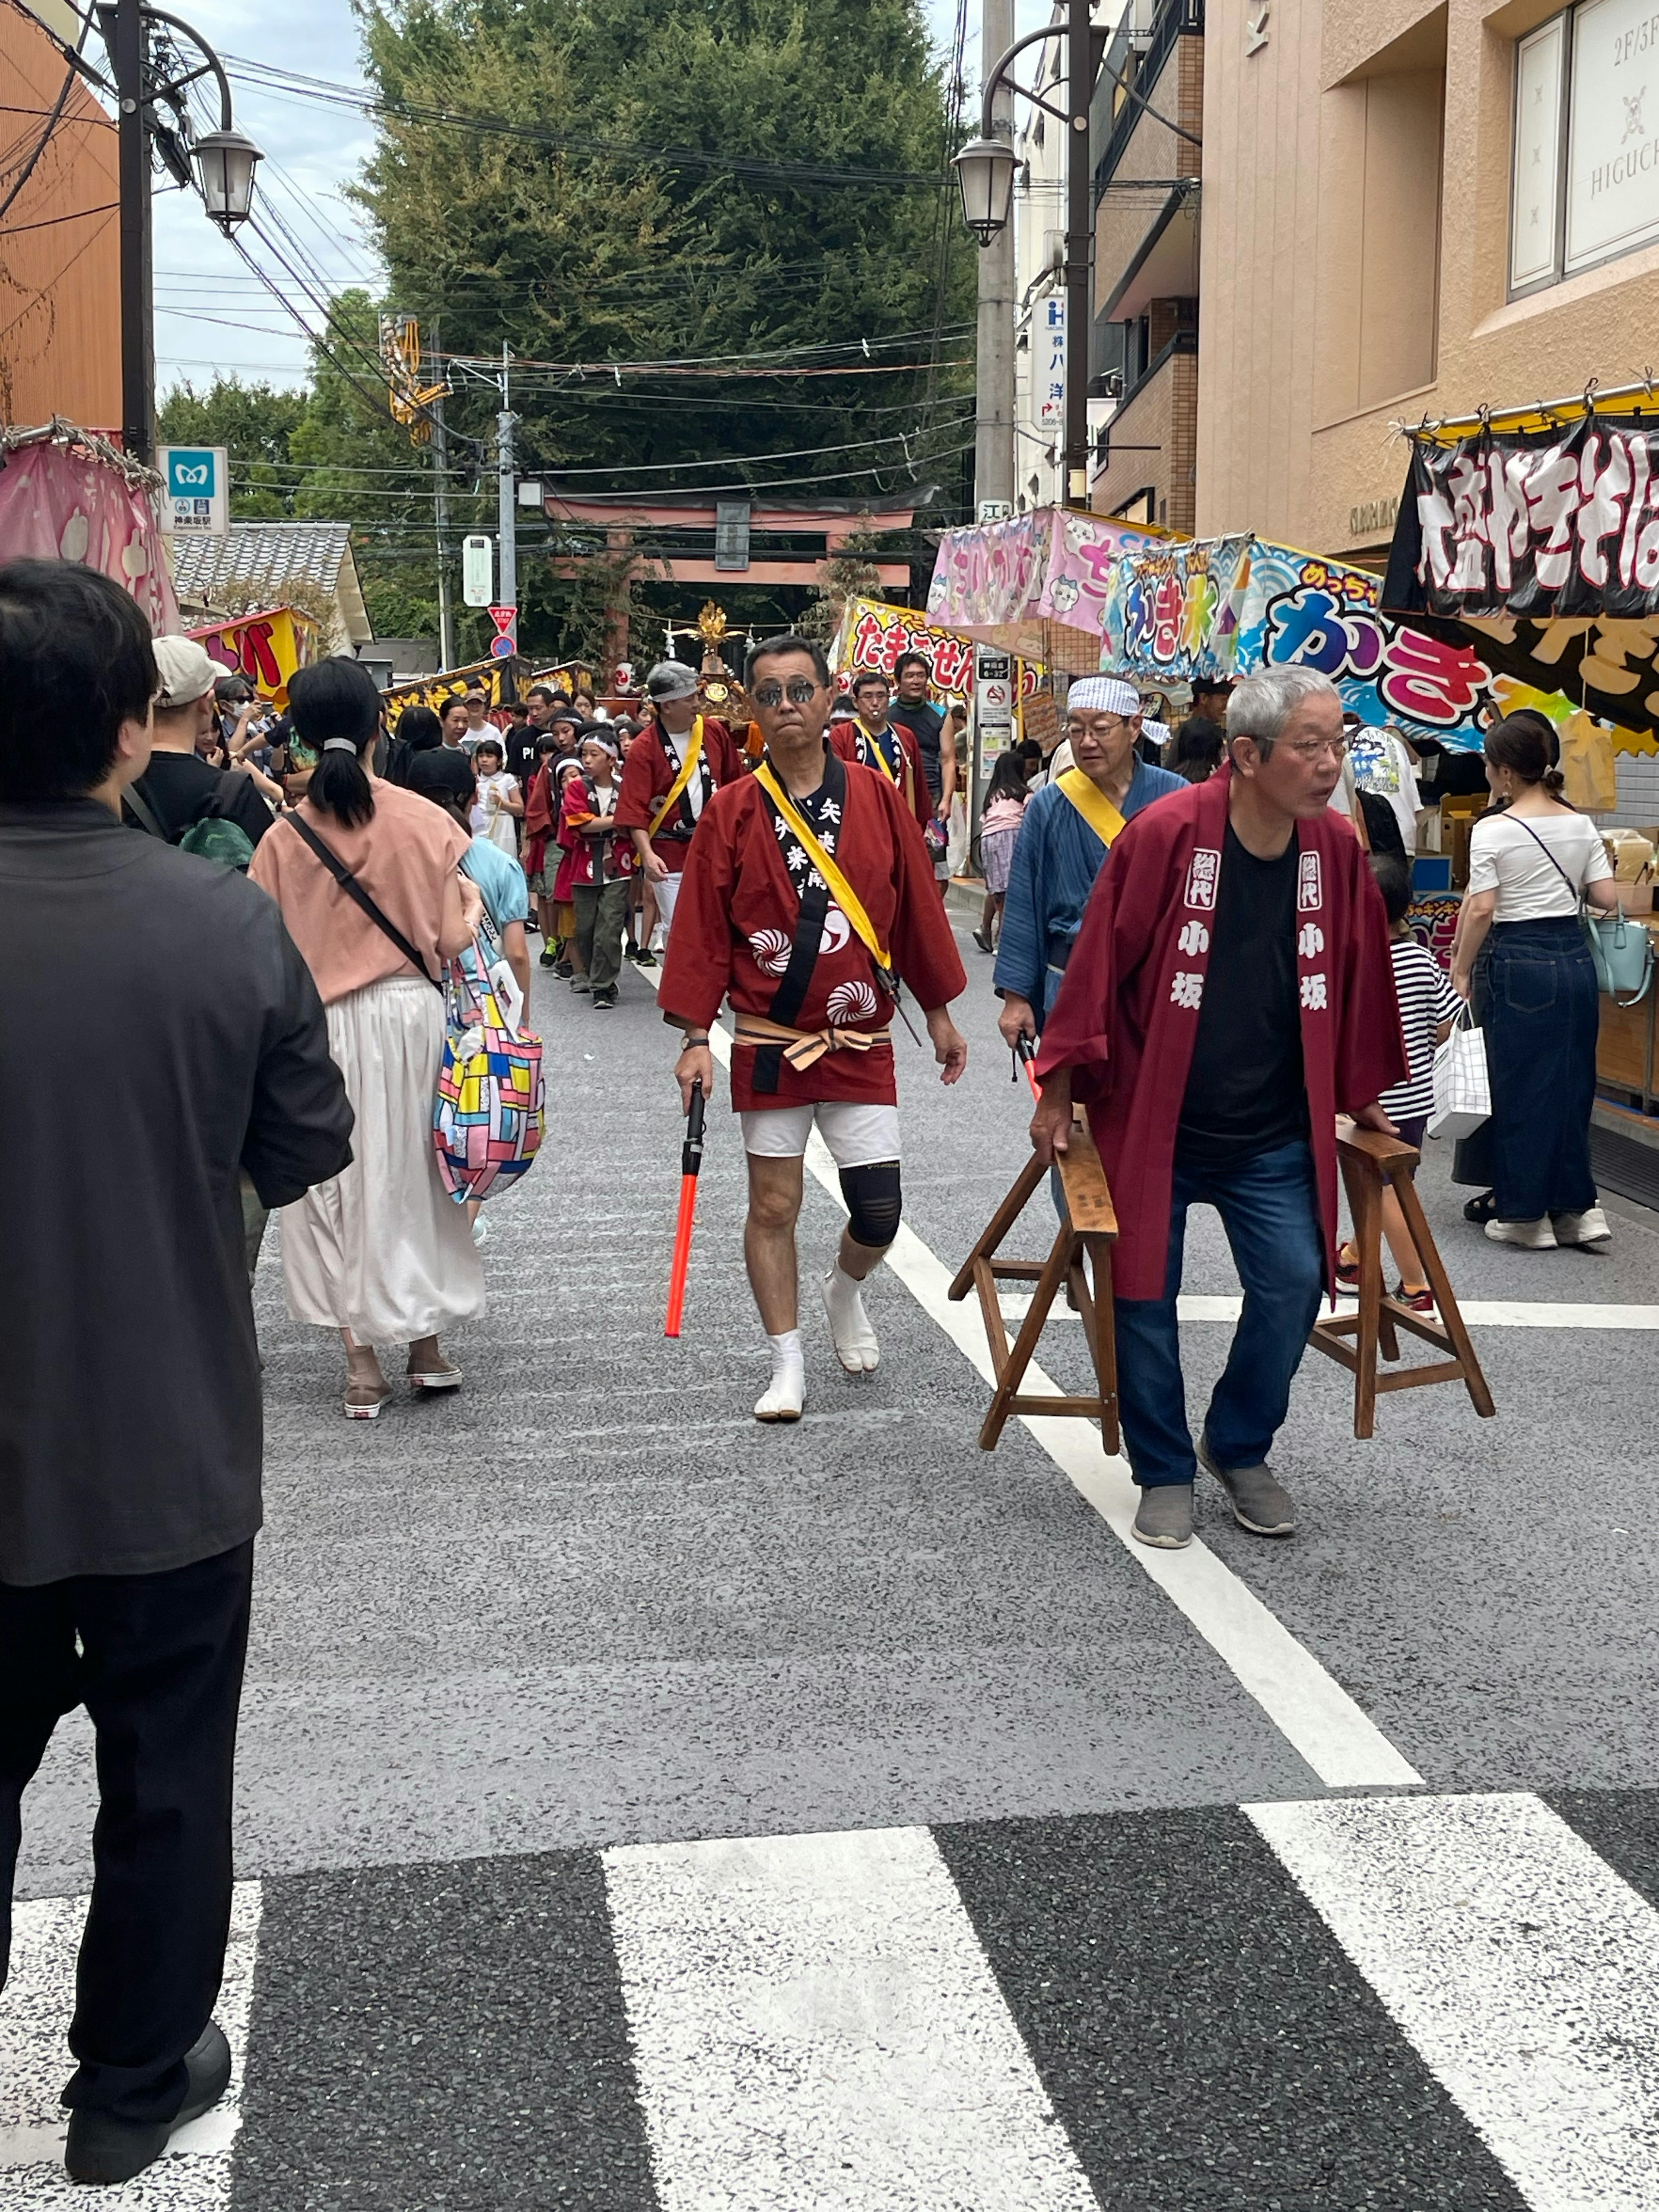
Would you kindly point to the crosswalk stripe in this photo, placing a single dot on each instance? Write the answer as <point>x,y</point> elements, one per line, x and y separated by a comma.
<point>35,2063</point>
<point>1516,1961</point>
<point>1339,1741</point>
<point>815,2024</point>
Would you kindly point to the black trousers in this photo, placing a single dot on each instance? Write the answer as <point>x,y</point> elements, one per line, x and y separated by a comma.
<point>159,1669</point>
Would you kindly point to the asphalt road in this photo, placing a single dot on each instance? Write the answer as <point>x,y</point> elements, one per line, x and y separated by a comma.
<point>640,1807</point>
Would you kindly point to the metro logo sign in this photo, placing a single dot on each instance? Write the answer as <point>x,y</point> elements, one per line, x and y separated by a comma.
<point>196,490</point>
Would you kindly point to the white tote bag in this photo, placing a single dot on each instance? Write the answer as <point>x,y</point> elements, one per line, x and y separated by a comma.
<point>1462,1091</point>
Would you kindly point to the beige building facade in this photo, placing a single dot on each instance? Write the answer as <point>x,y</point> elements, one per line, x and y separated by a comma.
<point>1411,211</point>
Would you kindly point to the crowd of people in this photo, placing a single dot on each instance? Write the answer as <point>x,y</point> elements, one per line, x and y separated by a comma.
<point>1201,938</point>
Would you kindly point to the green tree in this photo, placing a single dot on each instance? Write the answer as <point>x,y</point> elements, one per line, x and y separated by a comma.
<point>593,252</point>
<point>254,422</point>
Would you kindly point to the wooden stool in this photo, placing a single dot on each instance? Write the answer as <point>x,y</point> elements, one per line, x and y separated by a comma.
<point>1364,1156</point>
<point>1091,1227</point>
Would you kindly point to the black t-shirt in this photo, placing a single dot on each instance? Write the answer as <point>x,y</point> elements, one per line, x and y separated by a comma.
<point>180,788</point>
<point>520,741</point>
<point>923,723</point>
<point>1245,1093</point>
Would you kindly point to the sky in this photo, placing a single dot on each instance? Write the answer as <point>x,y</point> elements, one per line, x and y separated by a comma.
<point>211,312</point>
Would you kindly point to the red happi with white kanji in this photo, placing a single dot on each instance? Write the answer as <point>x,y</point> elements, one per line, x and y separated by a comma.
<point>1125,1019</point>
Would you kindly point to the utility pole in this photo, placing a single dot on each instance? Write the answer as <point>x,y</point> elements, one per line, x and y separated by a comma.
<point>1079,248</point>
<point>994,376</point>
<point>506,580</point>
<point>440,461</point>
<point>138,291</point>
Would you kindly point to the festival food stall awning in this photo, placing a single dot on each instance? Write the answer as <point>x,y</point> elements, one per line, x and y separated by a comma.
<point>67,494</point>
<point>1035,586</point>
<point>267,648</point>
<point>1222,606</point>
<point>1534,537</point>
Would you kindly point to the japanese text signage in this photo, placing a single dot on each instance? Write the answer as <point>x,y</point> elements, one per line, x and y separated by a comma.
<point>1536,523</point>
<point>195,490</point>
<point>1049,362</point>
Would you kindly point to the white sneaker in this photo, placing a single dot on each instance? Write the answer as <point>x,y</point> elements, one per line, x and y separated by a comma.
<point>1532,1236</point>
<point>849,1324</point>
<point>1583,1230</point>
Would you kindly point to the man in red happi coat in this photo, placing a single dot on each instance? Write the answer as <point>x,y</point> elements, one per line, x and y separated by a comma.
<point>674,766</point>
<point>876,741</point>
<point>807,896</point>
<point>1230,993</point>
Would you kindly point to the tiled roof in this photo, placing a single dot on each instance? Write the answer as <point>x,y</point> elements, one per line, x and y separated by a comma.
<point>270,554</point>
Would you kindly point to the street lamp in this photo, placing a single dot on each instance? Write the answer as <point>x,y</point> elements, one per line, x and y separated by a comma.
<point>152,72</point>
<point>985,172</point>
<point>225,162</point>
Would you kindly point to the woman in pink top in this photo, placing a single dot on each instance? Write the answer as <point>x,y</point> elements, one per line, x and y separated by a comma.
<point>382,1253</point>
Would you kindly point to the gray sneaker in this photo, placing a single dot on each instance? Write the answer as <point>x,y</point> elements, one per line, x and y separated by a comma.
<point>1164,1517</point>
<point>1260,1502</point>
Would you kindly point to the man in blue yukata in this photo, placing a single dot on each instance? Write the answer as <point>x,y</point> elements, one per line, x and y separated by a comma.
<point>1067,831</point>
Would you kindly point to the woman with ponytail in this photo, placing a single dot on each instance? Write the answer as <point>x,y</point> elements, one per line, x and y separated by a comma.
<point>367,876</point>
<point>1521,955</point>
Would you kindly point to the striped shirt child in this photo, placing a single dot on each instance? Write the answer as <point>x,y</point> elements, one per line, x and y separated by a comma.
<point>1426,998</point>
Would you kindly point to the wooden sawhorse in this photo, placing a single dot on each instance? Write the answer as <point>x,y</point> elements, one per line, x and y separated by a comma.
<point>1363,1156</point>
<point>1091,1228</point>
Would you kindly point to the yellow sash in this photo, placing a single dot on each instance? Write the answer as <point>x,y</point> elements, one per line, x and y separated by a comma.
<point>687,769</point>
<point>842,892</point>
<point>1092,803</point>
<point>872,756</point>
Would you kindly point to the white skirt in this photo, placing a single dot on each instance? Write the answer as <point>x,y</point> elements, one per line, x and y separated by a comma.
<point>383,1249</point>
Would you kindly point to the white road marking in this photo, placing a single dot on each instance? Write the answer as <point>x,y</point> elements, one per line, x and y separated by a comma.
<point>194,2174</point>
<point>814,2023</point>
<point>1339,1740</point>
<point>1518,1964</point>
<point>1479,1313</point>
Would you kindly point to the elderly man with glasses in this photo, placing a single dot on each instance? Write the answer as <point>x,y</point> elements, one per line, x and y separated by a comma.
<point>1069,826</point>
<point>1229,995</point>
<point>807,897</point>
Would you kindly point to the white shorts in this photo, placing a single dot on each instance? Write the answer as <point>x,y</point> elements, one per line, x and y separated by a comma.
<point>666,892</point>
<point>858,1136</point>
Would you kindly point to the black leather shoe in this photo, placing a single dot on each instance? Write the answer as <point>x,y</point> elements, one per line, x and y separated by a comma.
<point>103,2150</point>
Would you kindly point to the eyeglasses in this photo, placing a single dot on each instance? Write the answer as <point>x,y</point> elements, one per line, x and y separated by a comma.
<point>799,690</point>
<point>1316,748</point>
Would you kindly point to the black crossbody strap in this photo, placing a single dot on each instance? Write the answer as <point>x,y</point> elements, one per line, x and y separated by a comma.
<point>355,891</point>
<point>1577,889</point>
<point>144,814</point>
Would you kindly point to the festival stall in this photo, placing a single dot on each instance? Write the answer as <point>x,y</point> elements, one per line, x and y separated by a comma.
<point>267,648</point>
<point>1532,538</point>
<point>1035,586</point>
<point>67,494</point>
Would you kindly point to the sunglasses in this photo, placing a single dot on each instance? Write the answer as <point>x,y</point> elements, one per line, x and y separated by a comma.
<point>799,690</point>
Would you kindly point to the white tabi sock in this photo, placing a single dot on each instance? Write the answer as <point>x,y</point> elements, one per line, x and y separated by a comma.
<point>849,1324</point>
<point>784,1396</point>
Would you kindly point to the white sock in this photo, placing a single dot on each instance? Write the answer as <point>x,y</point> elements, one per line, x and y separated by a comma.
<point>849,1324</point>
<point>786,1393</point>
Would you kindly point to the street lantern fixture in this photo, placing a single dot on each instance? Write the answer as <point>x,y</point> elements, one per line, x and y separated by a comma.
<point>984,174</point>
<point>225,162</point>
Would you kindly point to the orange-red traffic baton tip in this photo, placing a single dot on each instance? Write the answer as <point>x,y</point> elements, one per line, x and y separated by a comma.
<point>1025,1053</point>
<point>690,1162</point>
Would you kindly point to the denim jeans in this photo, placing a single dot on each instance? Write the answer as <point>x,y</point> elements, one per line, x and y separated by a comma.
<point>1269,1207</point>
<point>1536,1001</point>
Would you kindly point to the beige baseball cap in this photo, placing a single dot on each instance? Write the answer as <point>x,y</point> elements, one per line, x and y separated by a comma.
<point>187,669</point>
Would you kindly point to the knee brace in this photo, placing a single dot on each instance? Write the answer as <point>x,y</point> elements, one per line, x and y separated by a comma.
<point>873,1204</point>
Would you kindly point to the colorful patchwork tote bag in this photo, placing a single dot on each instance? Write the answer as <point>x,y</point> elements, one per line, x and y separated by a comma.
<point>488,1119</point>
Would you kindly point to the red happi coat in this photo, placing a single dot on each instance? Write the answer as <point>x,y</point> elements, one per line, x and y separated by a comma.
<point>576,810</point>
<point>648,777</point>
<point>1127,1015</point>
<point>735,920</point>
<point>912,785</point>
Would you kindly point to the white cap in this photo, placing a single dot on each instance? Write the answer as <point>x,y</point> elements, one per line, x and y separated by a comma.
<point>187,669</point>
<point>1102,694</point>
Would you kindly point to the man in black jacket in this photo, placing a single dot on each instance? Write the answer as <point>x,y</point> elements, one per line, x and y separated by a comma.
<point>159,1034</point>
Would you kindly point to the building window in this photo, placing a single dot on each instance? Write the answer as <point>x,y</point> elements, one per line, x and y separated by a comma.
<point>1586,175</point>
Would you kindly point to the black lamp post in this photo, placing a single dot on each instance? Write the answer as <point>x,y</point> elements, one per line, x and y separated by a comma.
<point>985,172</point>
<point>223,163</point>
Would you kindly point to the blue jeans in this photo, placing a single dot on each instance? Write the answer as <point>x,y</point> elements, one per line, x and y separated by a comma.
<point>1269,1207</point>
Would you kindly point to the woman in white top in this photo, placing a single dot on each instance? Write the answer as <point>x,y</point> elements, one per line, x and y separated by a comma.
<point>1520,951</point>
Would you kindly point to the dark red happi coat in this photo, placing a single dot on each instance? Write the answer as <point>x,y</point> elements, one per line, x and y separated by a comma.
<point>735,920</point>
<point>1127,1015</point>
